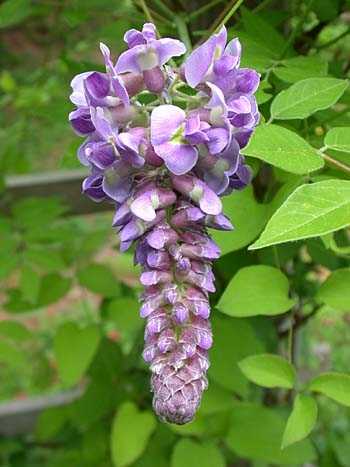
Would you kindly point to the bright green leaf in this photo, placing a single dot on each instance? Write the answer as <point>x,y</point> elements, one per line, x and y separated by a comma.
<point>99,279</point>
<point>269,371</point>
<point>256,433</point>
<point>284,149</point>
<point>338,139</point>
<point>311,210</point>
<point>74,349</point>
<point>192,453</point>
<point>306,97</point>
<point>256,290</point>
<point>247,228</point>
<point>301,421</point>
<point>299,68</point>
<point>336,386</point>
<point>335,291</point>
<point>130,433</point>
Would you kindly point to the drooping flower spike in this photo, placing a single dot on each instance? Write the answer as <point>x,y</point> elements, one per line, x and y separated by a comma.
<point>164,165</point>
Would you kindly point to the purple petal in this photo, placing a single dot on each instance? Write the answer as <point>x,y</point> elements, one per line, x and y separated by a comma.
<point>134,37</point>
<point>167,48</point>
<point>218,140</point>
<point>127,61</point>
<point>142,208</point>
<point>165,121</point>
<point>81,121</point>
<point>179,158</point>
<point>78,95</point>
<point>199,62</point>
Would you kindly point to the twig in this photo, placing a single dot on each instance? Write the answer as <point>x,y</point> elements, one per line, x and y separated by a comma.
<point>299,320</point>
<point>225,15</point>
<point>202,10</point>
<point>345,168</point>
<point>146,11</point>
<point>183,32</point>
<point>166,10</point>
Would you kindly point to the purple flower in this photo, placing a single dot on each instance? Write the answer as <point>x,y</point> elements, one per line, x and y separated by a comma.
<point>164,168</point>
<point>213,58</point>
<point>147,54</point>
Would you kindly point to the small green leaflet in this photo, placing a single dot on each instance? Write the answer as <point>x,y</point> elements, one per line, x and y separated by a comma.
<point>268,371</point>
<point>338,139</point>
<point>299,68</point>
<point>74,349</point>
<point>256,290</point>
<point>284,149</point>
<point>305,97</point>
<point>335,291</point>
<point>336,386</point>
<point>311,210</point>
<point>99,279</point>
<point>192,453</point>
<point>301,421</point>
<point>130,433</point>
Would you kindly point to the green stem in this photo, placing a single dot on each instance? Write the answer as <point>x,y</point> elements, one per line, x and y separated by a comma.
<point>202,10</point>
<point>229,14</point>
<point>261,6</point>
<point>165,9</point>
<point>345,168</point>
<point>333,41</point>
<point>146,11</point>
<point>183,32</point>
<point>290,338</point>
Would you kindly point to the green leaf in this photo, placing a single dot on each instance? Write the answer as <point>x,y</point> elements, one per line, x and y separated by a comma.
<point>14,331</point>
<point>48,259</point>
<point>234,340</point>
<point>284,149</point>
<point>256,433</point>
<point>189,452</point>
<point>306,97</point>
<point>74,349</point>
<point>257,54</point>
<point>338,139</point>
<point>268,371</point>
<point>335,291</point>
<point>256,290</point>
<point>130,433</point>
<point>52,288</point>
<point>301,421</point>
<point>11,355</point>
<point>299,68</point>
<point>124,313</point>
<point>247,228</point>
<point>336,386</point>
<point>29,284</point>
<point>260,29</point>
<point>14,11</point>
<point>99,279</point>
<point>311,210</point>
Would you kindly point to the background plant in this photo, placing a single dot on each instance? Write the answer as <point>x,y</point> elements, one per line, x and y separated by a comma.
<point>280,320</point>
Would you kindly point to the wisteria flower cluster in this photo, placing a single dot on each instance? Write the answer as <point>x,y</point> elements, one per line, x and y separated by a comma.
<point>163,145</point>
